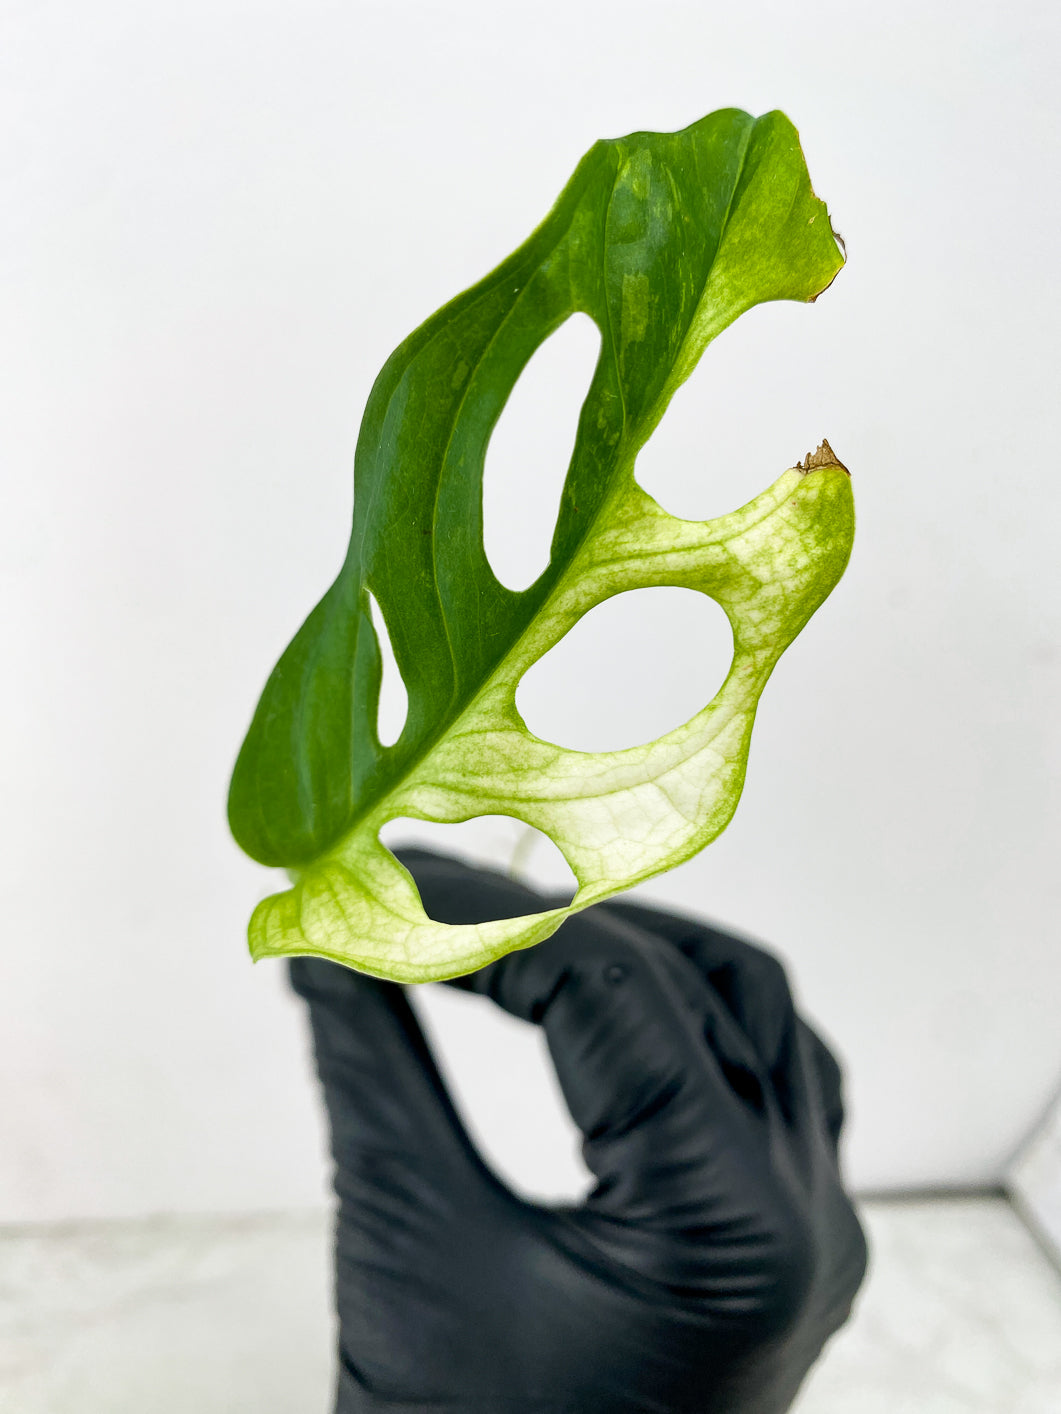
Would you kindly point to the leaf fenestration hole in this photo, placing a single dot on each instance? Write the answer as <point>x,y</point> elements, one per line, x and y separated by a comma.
<point>530,449</point>
<point>708,455</point>
<point>630,670</point>
<point>496,842</point>
<point>393,698</point>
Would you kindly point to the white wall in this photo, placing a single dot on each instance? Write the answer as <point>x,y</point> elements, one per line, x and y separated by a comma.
<point>218,219</point>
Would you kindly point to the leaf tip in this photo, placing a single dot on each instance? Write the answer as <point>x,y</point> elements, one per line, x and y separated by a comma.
<point>823,457</point>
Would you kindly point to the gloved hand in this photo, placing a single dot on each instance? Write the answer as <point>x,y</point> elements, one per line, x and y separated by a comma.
<point>718,1251</point>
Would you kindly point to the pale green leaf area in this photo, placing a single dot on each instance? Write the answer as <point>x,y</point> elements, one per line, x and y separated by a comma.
<point>662,239</point>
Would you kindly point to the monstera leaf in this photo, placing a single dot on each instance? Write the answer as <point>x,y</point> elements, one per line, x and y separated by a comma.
<point>662,239</point>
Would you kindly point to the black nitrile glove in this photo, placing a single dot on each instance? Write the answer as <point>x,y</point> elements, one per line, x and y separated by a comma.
<point>717,1253</point>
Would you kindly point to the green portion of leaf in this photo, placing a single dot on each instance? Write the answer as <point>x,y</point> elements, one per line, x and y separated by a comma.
<point>663,239</point>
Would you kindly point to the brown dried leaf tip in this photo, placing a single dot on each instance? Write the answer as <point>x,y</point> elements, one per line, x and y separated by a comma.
<point>824,456</point>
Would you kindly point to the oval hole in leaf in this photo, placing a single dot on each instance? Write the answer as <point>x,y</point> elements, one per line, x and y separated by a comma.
<point>496,842</point>
<point>529,451</point>
<point>393,698</point>
<point>631,669</point>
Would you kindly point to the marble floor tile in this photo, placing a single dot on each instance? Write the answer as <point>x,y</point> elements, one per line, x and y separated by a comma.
<point>961,1315</point>
<point>174,1316</point>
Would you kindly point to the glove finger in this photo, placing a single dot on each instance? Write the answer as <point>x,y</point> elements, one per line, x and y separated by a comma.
<point>693,1186</point>
<point>394,1130</point>
<point>830,1081</point>
<point>664,1118</point>
<point>455,892</point>
<point>755,988</point>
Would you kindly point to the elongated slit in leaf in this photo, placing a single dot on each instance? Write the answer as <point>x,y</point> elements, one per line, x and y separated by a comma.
<point>530,449</point>
<point>393,706</point>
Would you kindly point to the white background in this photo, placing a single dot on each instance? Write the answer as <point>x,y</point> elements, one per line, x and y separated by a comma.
<point>217,221</point>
